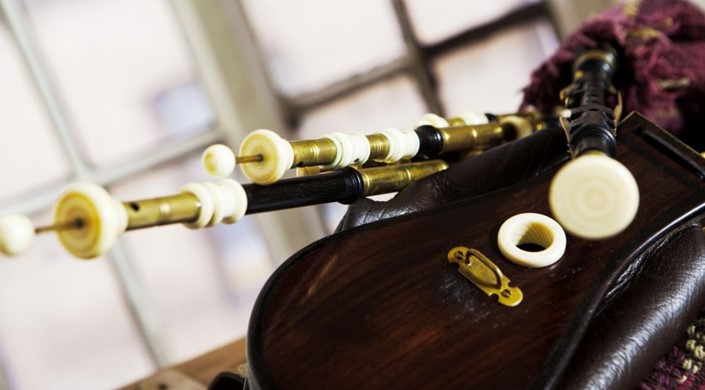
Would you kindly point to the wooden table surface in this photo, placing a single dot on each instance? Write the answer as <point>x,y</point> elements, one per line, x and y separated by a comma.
<point>197,373</point>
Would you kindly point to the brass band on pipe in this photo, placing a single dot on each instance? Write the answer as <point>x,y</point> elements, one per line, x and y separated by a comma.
<point>387,179</point>
<point>313,152</point>
<point>379,146</point>
<point>457,138</point>
<point>183,207</point>
<point>323,151</point>
<point>309,171</point>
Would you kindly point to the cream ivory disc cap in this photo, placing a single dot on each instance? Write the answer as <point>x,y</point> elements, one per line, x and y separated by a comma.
<point>218,161</point>
<point>432,120</point>
<point>473,118</point>
<point>277,156</point>
<point>104,219</point>
<point>531,228</point>
<point>16,234</point>
<point>594,197</point>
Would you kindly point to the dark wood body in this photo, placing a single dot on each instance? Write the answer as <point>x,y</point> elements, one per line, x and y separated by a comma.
<point>380,306</point>
<point>344,186</point>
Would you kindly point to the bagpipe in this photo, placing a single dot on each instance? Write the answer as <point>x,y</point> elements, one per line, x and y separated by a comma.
<point>567,252</point>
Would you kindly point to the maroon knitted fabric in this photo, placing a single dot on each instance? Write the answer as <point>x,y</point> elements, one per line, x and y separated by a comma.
<point>682,368</point>
<point>661,47</point>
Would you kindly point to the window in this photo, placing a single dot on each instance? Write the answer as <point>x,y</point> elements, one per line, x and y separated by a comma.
<point>108,92</point>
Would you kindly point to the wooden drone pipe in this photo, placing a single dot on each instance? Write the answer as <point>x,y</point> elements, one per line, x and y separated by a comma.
<point>593,196</point>
<point>265,157</point>
<point>88,220</point>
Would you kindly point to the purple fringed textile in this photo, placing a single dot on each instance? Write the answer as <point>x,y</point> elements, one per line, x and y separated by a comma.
<point>661,47</point>
<point>682,368</point>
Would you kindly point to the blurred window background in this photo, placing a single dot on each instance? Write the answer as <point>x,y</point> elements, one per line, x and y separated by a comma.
<point>127,93</point>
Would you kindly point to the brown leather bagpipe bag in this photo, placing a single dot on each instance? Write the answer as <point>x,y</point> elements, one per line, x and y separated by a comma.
<point>378,305</point>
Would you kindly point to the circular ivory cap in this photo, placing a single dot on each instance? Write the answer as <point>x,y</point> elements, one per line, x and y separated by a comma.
<point>531,228</point>
<point>16,234</point>
<point>102,220</point>
<point>236,198</point>
<point>277,156</point>
<point>218,161</point>
<point>594,197</point>
<point>432,120</point>
<point>204,196</point>
<point>473,118</point>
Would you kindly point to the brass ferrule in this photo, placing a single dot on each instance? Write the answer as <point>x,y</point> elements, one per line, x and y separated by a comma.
<point>393,178</point>
<point>312,170</point>
<point>320,151</point>
<point>457,138</point>
<point>530,115</point>
<point>166,210</point>
<point>607,57</point>
<point>309,171</point>
<point>379,146</point>
<point>323,151</point>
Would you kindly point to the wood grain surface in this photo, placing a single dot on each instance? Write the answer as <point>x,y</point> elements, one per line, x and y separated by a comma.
<point>380,307</point>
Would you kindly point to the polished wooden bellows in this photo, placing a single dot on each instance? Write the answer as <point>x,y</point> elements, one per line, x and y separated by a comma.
<point>380,306</point>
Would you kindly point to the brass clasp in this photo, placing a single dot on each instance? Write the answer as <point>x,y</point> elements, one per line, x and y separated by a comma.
<point>485,274</point>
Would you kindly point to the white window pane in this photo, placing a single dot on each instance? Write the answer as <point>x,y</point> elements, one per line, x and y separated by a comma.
<point>394,103</point>
<point>203,283</point>
<point>489,76</point>
<point>30,152</point>
<point>123,68</point>
<point>435,20</point>
<point>64,323</point>
<point>308,44</point>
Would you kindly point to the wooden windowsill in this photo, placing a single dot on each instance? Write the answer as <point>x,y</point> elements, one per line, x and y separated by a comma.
<point>196,373</point>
